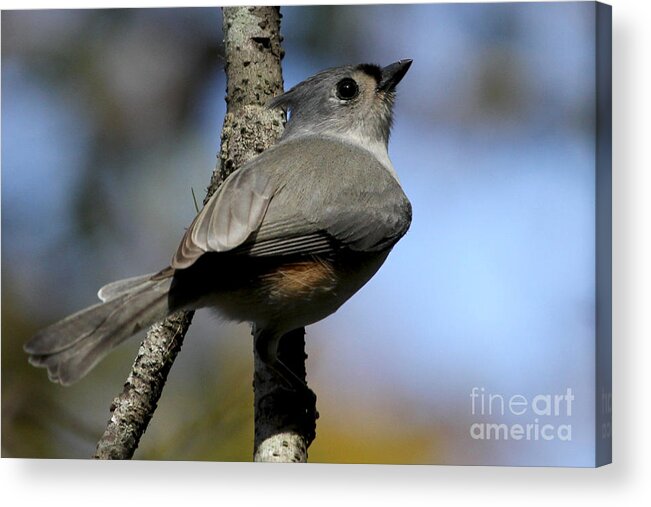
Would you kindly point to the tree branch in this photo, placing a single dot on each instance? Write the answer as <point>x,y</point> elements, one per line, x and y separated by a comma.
<point>284,421</point>
<point>134,407</point>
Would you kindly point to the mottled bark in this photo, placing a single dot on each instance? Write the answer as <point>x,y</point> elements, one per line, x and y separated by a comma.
<point>253,53</point>
<point>284,420</point>
<point>134,407</point>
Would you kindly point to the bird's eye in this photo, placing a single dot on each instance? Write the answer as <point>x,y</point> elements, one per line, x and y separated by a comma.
<point>347,89</point>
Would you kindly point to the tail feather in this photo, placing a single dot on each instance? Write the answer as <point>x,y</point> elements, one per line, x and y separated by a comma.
<point>115,289</point>
<point>70,348</point>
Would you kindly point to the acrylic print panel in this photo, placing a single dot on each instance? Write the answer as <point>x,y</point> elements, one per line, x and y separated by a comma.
<point>484,339</point>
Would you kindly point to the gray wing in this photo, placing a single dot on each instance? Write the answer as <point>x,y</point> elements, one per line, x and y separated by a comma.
<point>230,217</point>
<point>292,200</point>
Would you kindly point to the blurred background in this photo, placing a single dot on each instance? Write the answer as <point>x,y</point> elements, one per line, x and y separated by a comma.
<point>110,118</point>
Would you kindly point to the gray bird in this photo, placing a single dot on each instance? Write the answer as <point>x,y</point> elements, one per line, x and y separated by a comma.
<point>283,243</point>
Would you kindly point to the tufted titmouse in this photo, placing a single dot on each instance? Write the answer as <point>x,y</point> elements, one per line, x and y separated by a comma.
<point>285,240</point>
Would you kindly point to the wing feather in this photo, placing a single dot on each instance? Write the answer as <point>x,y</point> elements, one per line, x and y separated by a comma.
<point>294,201</point>
<point>231,215</point>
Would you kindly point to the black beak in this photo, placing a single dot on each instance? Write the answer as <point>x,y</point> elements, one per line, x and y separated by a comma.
<point>393,74</point>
